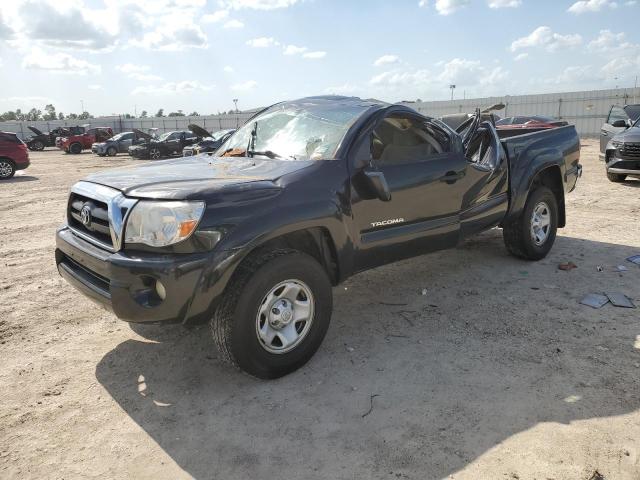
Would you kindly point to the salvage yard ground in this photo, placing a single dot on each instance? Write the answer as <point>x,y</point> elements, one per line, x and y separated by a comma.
<point>463,364</point>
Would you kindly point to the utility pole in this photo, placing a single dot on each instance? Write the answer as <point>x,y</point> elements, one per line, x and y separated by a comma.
<point>235,101</point>
<point>81,106</point>
<point>452,87</point>
<point>135,110</point>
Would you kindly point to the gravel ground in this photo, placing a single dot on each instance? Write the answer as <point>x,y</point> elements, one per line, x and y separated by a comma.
<point>494,372</point>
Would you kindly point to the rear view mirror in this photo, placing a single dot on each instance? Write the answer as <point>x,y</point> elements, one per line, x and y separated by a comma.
<point>378,184</point>
<point>619,124</point>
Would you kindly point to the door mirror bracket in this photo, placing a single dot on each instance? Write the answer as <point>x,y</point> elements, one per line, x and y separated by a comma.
<point>378,184</point>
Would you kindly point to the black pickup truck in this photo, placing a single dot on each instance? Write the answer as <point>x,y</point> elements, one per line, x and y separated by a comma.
<point>306,194</point>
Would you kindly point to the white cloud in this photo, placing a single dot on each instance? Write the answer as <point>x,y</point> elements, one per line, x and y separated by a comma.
<point>447,7</point>
<point>173,37</point>
<point>504,3</point>
<point>521,56</point>
<point>262,42</point>
<point>258,4</point>
<point>608,42</point>
<point>314,55</point>
<point>245,86</point>
<point>228,69</point>
<point>94,86</point>
<point>546,38</point>
<point>584,6</point>
<point>462,72</point>
<point>171,88</point>
<point>138,72</point>
<point>233,24</point>
<point>400,78</point>
<point>294,50</point>
<point>216,16</point>
<point>574,75</point>
<point>37,59</point>
<point>386,60</point>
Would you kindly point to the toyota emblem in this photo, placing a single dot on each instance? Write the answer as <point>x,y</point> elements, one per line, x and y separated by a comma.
<point>85,215</point>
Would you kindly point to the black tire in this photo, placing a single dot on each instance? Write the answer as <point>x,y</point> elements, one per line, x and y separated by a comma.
<point>517,234</point>
<point>616,177</point>
<point>7,169</point>
<point>112,151</point>
<point>235,321</point>
<point>37,145</point>
<point>75,148</point>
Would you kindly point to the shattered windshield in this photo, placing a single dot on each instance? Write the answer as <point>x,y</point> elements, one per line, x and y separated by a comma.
<point>164,136</point>
<point>307,131</point>
<point>118,136</point>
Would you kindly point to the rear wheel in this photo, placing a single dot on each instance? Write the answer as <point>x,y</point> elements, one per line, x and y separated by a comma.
<point>274,314</point>
<point>37,145</point>
<point>7,169</point>
<point>533,233</point>
<point>616,177</point>
<point>75,148</point>
<point>111,151</point>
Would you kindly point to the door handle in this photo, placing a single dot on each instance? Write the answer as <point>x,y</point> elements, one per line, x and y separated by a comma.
<point>451,177</point>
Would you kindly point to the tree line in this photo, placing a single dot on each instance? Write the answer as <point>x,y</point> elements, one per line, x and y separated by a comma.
<point>49,113</point>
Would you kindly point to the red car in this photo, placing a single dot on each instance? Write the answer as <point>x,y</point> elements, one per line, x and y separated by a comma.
<point>13,155</point>
<point>77,143</point>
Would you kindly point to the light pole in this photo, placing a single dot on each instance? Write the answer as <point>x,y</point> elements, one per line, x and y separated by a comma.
<point>81,106</point>
<point>235,101</point>
<point>452,87</point>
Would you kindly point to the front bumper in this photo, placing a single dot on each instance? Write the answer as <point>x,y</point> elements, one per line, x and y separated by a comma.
<point>125,283</point>
<point>139,153</point>
<point>99,149</point>
<point>616,163</point>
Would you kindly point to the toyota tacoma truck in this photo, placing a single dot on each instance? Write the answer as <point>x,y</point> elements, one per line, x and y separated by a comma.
<point>304,195</point>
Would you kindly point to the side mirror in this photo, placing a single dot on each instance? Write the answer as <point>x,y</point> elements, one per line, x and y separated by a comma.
<point>378,184</point>
<point>619,124</point>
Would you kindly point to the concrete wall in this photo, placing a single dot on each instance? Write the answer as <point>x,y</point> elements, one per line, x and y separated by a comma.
<point>586,110</point>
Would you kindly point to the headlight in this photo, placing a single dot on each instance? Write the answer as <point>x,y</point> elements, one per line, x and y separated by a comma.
<point>616,143</point>
<point>159,224</point>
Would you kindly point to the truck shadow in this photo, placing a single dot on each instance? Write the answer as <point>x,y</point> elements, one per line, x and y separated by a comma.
<point>495,347</point>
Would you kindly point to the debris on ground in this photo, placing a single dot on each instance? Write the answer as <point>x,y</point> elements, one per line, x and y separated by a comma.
<point>618,299</point>
<point>424,291</point>
<point>595,300</point>
<point>371,397</point>
<point>634,259</point>
<point>597,476</point>
<point>621,268</point>
<point>599,268</point>
<point>350,349</point>
<point>567,266</point>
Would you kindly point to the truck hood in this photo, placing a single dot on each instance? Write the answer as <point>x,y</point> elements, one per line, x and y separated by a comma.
<point>194,177</point>
<point>630,135</point>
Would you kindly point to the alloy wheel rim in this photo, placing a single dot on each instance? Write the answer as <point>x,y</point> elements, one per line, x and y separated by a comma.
<point>5,169</point>
<point>540,223</point>
<point>285,316</point>
<point>155,153</point>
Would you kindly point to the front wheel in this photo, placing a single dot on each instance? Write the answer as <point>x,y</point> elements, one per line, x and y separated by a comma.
<point>155,153</point>
<point>111,151</point>
<point>616,177</point>
<point>7,169</point>
<point>37,146</point>
<point>532,234</point>
<point>274,314</point>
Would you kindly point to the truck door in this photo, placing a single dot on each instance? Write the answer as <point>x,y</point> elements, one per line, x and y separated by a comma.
<point>423,173</point>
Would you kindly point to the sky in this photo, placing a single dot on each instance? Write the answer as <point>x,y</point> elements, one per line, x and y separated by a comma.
<point>117,57</point>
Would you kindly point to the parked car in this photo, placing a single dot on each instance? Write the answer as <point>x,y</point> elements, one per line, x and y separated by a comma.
<point>166,145</point>
<point>39,140</point>
<point>209,143</point>
<point>320,188</point>
<point>77,143</point>
<point>13,155</point>
<point>119,143</point>
<point>618,120</point>
<point>622,154</point>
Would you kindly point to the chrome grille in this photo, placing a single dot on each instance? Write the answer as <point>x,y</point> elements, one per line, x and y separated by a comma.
<point>97,214</point>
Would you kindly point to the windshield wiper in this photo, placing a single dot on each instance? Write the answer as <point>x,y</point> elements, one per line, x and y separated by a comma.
<point>265,153</point>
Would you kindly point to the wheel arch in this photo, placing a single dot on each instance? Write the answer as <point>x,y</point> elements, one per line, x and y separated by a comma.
<point>551,177</point>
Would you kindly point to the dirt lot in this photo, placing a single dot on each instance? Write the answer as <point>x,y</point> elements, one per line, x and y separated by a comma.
<point>496,372</point>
